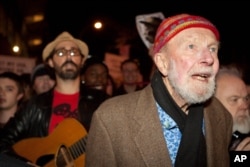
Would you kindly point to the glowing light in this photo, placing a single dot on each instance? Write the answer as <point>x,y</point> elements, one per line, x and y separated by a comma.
<point>35,42</point>
<point>16,49</point>
<point>34,18</point>
<point>98,25</point>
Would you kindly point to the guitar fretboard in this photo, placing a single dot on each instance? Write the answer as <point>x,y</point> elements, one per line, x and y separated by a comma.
<point>78,148</point>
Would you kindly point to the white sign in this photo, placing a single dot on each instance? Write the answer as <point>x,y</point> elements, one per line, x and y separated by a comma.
<point>147,25</point>
<point>19,65</point>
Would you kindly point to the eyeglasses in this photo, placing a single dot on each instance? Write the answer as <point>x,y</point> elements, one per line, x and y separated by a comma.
<point>64,52</point>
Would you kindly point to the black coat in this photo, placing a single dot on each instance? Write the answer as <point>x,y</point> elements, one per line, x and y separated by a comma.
<point>34,119</point>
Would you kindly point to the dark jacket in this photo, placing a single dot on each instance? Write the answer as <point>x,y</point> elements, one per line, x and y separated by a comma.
<point>33,120</point>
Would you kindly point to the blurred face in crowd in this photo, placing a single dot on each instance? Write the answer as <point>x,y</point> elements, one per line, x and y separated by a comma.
<point>96,76</point>
<point>130,73</point>
<point>66,60</point>
<point>9,94</point>
<point>189,63</point>
<point>232,92</point>
<point>43,83</point>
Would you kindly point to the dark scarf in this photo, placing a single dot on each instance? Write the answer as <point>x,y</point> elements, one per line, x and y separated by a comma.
<point>192,149</point>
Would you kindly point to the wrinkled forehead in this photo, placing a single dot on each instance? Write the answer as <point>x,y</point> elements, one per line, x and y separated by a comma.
<point>227,81</point>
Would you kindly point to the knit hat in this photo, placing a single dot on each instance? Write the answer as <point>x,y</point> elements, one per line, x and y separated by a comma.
<point>65,36</point>
<point>41,70</point>
<point>175,24</point>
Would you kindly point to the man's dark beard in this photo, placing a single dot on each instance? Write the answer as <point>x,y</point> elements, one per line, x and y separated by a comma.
<point>69,74</point>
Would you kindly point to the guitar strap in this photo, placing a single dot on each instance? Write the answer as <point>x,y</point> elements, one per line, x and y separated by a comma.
<point>192,149</point>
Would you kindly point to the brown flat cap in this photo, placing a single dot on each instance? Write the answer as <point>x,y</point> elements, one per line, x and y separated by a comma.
<point>65,36</point>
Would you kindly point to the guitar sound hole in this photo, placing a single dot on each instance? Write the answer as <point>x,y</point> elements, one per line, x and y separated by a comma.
<point>64,158</point>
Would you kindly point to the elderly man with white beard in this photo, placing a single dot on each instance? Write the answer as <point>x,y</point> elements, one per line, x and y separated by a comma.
<point>232,92</point>
<point>174,120</point>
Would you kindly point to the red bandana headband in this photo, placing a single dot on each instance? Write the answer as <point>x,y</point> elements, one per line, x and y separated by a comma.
<point>173,25</point>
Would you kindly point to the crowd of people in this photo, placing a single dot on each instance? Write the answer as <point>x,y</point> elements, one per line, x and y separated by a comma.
<point>188,115</point>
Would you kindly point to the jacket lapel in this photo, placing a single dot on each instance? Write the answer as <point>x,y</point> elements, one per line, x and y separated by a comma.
<point>149,136</point>
<point>217,133</point>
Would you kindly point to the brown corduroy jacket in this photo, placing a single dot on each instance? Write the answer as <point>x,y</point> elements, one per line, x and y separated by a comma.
<point>126,132</point>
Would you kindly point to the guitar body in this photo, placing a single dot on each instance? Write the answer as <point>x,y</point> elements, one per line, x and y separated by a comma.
<point>58,149</point>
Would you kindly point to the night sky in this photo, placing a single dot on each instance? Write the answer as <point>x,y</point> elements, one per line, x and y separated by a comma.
<point>231,18</point>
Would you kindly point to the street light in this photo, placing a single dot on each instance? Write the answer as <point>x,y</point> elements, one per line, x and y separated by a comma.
<point>98,25</point>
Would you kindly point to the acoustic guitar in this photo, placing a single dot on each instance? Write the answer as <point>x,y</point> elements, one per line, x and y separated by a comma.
<point>64,147</point>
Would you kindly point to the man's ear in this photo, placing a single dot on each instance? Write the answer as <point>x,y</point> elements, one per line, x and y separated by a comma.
<point>50,63</point>
<point>161,63</point>
<point>19,96</point>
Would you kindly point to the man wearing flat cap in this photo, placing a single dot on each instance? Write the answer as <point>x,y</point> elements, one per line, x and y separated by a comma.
<point>68,99</point>
<point>174,121</point>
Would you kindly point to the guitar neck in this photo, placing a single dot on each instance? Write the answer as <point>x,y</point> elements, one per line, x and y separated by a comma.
<point>78,148</point>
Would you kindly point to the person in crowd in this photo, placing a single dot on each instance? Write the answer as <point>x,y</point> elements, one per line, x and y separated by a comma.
<point>232,92</point>
<point>94,74</point>
<point>130,71</point>
<point>173,121</point>
<point>11,94</point>
<point>68,99</point>
<point>42,79</point>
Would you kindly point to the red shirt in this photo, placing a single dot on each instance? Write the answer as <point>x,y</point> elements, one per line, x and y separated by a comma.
<point>63,106</point>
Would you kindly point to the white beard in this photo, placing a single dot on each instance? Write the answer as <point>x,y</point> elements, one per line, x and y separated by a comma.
<point>188,91</point>
<point>242,125</point>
